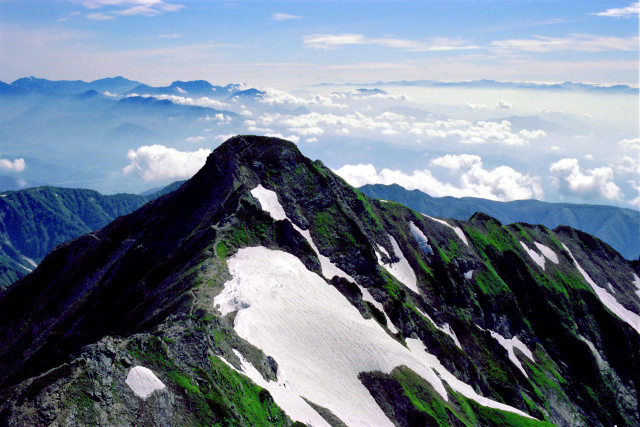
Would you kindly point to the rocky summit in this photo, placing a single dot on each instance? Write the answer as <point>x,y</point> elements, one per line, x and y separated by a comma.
<point>267,291</point>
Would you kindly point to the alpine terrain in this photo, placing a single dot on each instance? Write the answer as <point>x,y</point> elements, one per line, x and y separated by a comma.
<point>267,291</point>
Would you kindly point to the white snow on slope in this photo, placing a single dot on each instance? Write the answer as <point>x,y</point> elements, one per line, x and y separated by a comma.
<point>282,393</point>
<point>636,281</point>
<point>509,345</point>
<point>366,295</point>
<point>417,347</point>
<point>30,261</point>
<point>457,230</point>
<point>269,202</point>
<point>547,252</point>
<point>319,340</point>
<point>444,328</point>
<point>401,270</point>
<point>468,274</point>
<point>537,258</point>
<point>607,299</point>
<point>143,381</point>
<point>422,240</point>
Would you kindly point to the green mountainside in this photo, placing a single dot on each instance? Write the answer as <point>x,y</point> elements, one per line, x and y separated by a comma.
<point>35,220</point>
<point>517,324</point>
<point>619,227</point>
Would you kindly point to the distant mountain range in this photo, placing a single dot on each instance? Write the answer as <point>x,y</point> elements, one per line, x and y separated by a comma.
<point>619,227</point>
<point>35,220</point>
<point>495,84</point>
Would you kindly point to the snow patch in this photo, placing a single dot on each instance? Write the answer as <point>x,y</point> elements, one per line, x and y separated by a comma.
<point>30,261</point>
<point>547,252</point>
<point>417,347</point>
<point>613,291</point>
<point>444,328</point>
<point>269,202</point>
<point>401,270</point>
<point>143,381</point>
<point>509,345</point>
<point>422,240</point>
<point>457,230</point>
<point>319,340</point>
<point>537,258</point>
<point>607,299</point>
<point>636,281</point>
<point>366,295</point>
<point>282,392</point>
<point>468,275</point>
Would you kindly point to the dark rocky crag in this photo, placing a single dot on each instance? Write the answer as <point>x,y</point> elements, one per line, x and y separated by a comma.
<point>140,292</point>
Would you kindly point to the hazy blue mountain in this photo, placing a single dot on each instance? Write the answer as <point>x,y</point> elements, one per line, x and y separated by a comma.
<point>494,84</point>
<point>619,227</point>
<point>71,87</point>
<point>266,291</point>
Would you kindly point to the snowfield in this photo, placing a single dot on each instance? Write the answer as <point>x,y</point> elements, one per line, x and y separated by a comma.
<point>143,381</point>
<point>457,230</point>
<point>401,270</point>
<point>319,340</point>
<point>607,299</point>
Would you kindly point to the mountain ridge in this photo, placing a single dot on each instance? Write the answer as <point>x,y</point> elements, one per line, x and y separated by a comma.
<point>504,314</point>
<point>620,227</point>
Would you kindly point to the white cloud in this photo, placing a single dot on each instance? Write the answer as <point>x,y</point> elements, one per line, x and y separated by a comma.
<point>182,100</point>
<point>501,183</point>
<point>329,41</point>
<point>277,97</point>
<point>629,165</point>
<point>279,16</point>
<point>575,42</point>
<point>636,201</point>
<point>17,165</point>
<point>392,124</point>
<point>159,163</point>
<point>113,8</point>
<point>633,143</point>
<point>455,162</point>
<point>569,178</point>
<point>621,12</point>
<point>198,138</point>
<point>504,104</point>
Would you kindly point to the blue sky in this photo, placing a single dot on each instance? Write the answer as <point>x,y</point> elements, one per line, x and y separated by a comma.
<point>502,143</point>
<point>294,43</point>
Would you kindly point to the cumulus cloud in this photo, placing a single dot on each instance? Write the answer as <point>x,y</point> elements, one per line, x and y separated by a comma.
<point>500,183</point>
<point>621,12</point>
<point>329,41</point>
<point>633,143</point>
<point>159,163</point>
<point>17,165</point>
<point>279,16</point>
<point>629,165</point>
<point>597,182</point>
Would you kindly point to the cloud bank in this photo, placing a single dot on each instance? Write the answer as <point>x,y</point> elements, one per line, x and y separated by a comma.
<point>473,180</point>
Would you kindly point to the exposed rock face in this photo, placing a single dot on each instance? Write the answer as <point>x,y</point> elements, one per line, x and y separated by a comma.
<point>141,292</point>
